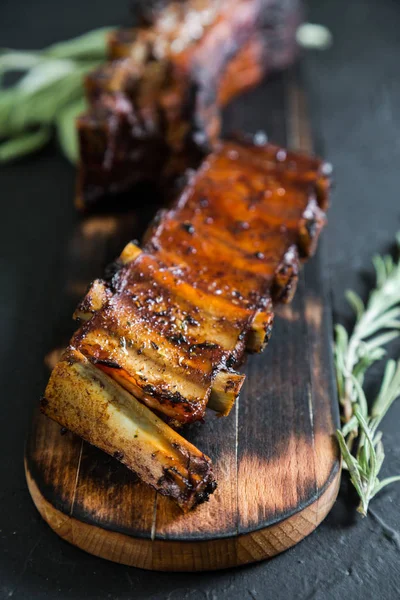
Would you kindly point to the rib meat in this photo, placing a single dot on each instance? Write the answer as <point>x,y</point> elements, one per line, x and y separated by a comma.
<point>156,107</point>
<point>175,319</point>
<point>89,403</point>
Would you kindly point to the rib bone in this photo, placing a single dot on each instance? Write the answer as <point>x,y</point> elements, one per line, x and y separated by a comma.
<point>88,402</point>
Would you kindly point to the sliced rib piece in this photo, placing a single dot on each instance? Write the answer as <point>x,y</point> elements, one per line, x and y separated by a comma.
<point>154,341</point>
<point>242,221</point>
<point>89,403</point>
<point>156,107</point>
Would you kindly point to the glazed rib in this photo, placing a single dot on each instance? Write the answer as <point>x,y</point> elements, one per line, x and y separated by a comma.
<point>89,403</point>
<point>156,107</point>
<point>177,316</point>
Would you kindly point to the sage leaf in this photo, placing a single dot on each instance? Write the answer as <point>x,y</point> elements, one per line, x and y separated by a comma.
<point>91,45</point>
<point>42,105</point>
<point>66,129</point>
<point>44,74</point>
<point>24,144</point>
<point>17,61</point>
<point>48,94</point>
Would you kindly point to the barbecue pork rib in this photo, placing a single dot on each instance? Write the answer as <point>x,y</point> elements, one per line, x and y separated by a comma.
<point>177,316</point>
<point>89,403</point>
<point>156,107</point>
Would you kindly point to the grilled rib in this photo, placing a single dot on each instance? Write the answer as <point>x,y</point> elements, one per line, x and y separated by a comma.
<point>178,315</point>
<point>89,403</point>
<point>181,310</point>
<point>156,108</point>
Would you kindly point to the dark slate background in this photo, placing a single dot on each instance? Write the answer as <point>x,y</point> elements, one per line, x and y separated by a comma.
<point>354,91</point>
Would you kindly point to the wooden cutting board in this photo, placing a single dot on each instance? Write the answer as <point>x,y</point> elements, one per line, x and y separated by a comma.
<point>276,459</point>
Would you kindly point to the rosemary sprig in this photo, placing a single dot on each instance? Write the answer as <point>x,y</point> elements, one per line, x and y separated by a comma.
<point>377,323</point>
<point>49,95</point>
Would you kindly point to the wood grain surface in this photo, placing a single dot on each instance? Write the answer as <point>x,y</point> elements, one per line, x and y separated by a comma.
<point>275,456</point>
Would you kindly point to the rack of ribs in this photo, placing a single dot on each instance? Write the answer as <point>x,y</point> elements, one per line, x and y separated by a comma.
<point>155,108</point>
<point>161,339</point>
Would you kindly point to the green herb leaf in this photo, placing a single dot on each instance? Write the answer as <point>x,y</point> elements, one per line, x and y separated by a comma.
<point>91,45</point>
<point>44,74</point>
<point>356,302</point>
<point>384,483</point>
<point>352,465</point>
<point>48,94</point>
<point>13,60</point>
<point>24,144</point>
<point>66,129</point>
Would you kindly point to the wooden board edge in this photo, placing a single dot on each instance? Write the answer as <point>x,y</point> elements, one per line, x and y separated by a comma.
<point>168,555</point>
